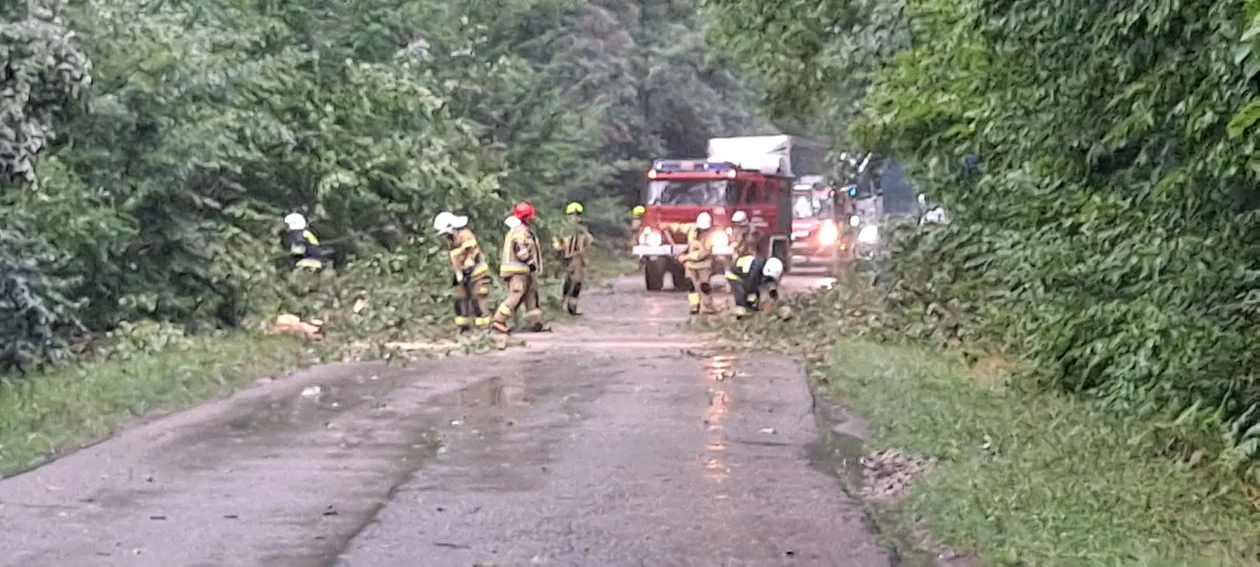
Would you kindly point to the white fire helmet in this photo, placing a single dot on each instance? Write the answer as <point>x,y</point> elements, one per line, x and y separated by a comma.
<point>740,217</point>
<point>295,221</point>
<point>773,269</point>
<point>704,221</point>
<point>444,222</point>
<point>512,222</point>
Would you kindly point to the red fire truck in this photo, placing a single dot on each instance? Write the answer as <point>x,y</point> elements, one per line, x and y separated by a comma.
<point>679,190</point>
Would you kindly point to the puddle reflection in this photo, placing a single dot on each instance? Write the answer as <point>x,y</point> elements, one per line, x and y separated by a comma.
<point>716,370</point>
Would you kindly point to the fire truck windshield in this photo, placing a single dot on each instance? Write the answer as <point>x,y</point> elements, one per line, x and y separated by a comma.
<point>806,206</point>
<point>690,192</point>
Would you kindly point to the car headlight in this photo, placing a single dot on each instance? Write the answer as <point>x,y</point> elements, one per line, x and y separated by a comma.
<point>653,238</point>
<point>868,235</point>
<point>720,239</point>
<point>828,234</point>
<point>855,220</point>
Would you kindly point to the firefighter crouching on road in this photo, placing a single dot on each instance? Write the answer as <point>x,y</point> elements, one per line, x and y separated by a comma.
<point>698,264</point>
<point>302,243</point>
<point>574,246</point>
<point>748,277</point>
<point>744,238</point>
<point>471,273</point>
<point>519,265</point>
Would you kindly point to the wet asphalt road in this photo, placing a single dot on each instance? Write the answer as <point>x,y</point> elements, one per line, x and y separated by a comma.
<point>618,440</point>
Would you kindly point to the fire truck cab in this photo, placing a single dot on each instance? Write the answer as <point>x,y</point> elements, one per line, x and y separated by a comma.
<point>679,190</point>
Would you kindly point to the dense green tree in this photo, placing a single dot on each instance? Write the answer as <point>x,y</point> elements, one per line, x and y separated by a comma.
<point>1109,233</point>
<point>148,150</point>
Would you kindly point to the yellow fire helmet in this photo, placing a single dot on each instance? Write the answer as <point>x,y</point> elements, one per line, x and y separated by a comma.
<point>574,208</point>
<point>638,211</point>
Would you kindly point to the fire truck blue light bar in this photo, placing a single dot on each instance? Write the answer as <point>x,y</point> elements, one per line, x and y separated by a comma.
<point>672,165</point>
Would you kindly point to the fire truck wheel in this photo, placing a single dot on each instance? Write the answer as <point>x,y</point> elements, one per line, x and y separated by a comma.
<point>679,275</point>
<point>654,274</point>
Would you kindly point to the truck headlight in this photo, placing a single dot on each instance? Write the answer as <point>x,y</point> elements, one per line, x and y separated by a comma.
<point>868,235</point>
<point>828,234</point>
<point>652,238</point>
<point>855,220</point>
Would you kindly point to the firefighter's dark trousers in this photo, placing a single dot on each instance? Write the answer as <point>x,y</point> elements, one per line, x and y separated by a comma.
<point>573,283</point>
<point>472,302</point>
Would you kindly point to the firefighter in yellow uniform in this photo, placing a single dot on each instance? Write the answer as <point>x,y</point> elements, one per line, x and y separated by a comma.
<point>519,265</point>
<point>471,273</point>
<point>302,243</point>
<point>744,238</point>
<point>751,275</point>
<point>636,224</point>
<point>698,264</point>
<point>573,247</point>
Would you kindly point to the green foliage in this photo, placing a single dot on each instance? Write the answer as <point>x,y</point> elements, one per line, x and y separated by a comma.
<point>1022,476</point>
<point>155,194</point>
<point>1110,237</point>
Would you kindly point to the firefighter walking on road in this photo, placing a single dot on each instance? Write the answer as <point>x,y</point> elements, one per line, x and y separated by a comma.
<point>471,278</point>
<point>698,264</point>
<point>749,276</point>
<point>573,247</point>
<point>744,239</point>
<point>519,265</point>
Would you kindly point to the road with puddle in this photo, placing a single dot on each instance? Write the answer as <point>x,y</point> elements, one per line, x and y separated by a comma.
<point>620,439</point>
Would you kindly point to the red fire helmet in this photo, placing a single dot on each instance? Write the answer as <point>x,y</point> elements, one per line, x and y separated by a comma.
<point>524,211</point>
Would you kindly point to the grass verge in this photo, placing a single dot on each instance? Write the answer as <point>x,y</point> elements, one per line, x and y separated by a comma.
<point>1021,477</point>
<point>1037,479</point>
<point>49,414</point>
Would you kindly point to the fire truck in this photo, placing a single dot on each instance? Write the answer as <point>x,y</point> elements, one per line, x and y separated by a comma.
<point>820,224</point>
<point>751,174</point>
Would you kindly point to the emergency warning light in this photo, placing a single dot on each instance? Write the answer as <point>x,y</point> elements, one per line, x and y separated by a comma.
<point>676,165</point>
<point>853,190</point>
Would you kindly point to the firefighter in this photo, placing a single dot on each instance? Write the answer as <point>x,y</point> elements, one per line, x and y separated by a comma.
<point>471,278</point>
<point>302,243</point>
<point>636,224</point>
<point>698,264</point>
<point>573,247</point>
<point>749,277</point>
<point>519,265</point>
<point>744,238</point>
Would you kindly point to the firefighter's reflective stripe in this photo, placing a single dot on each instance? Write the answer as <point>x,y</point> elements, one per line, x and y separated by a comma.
<point>462,320</point>
<point>517,252</point>
<point>482,321</point>
<point>310,237</point>
<point>698,253</point>
<point>466,254</point>
<point>739,270</point>
<point>310,264</point>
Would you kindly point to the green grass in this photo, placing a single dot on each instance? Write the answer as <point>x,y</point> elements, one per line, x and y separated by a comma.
<point>1038,479</point>
<point>46,415</point>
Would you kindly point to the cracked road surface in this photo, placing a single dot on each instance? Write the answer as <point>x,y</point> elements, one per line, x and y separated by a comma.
<point>616,440</point>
